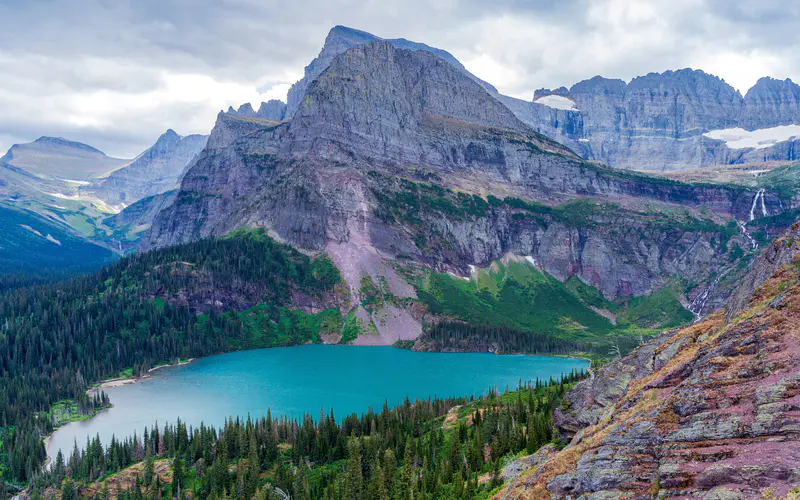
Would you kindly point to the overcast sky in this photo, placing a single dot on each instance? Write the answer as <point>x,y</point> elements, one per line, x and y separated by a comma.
<point>117,73</point>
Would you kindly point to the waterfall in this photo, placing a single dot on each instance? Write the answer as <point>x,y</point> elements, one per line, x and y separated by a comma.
<point>759,195</point>
<point>699,302</point>
<point>743,229</point>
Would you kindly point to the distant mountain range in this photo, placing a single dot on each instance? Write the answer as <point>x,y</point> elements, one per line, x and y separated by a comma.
<point>77,190</point>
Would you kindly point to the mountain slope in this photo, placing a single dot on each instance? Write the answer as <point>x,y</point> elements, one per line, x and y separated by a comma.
<point>710,410</point>
<point>35,247</point>
<point>44,178</point>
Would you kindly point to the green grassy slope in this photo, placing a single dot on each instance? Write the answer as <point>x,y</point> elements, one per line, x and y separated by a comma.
<point>516,294</point>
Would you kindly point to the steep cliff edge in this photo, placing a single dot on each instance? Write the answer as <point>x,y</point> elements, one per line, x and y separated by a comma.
<point>710,411</point>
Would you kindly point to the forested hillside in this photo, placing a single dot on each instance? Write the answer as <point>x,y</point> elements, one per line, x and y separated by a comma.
<point>57,339</point>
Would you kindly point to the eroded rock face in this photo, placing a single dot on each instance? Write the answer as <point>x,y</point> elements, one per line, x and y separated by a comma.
<point>711,411</point>
<point>779,253</point>
<point>769,103</point>
<point>339,40</point>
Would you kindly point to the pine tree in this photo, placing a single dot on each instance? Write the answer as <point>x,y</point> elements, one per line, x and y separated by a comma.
<point>354,480</point>
<point>177,477</point>
<point>68,490</point>
<point>147,471</point>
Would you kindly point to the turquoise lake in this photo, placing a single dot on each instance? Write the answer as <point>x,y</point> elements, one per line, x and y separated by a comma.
<point>303,379</point>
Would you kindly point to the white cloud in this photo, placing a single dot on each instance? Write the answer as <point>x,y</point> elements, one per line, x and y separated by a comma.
<point>117,74</point>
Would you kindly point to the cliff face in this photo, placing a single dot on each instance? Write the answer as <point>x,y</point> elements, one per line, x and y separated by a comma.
<point>770,103</point>
<point>339,40</point>
<point>658,121</point>
<point>710,411</point>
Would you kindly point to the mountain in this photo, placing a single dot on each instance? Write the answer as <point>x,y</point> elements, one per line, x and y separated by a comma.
<point>708,411</point>
<point>342,38</point>
<point>396,157</point>
<point>273,109</point>
<point>156,170</point>
<point>674,120</point>
<point>53,157</point>
<point>667,121</point>
<point>42,179</point>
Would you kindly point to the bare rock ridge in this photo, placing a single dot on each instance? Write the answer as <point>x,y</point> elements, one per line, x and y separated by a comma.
<point>54,157</point>
<point>382,123</point>
<point>710,411</point>
<point>270,110</point>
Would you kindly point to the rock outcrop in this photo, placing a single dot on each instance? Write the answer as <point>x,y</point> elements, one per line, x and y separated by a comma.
<point>710,411</point>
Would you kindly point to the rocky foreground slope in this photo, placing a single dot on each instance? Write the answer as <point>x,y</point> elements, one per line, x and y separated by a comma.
<point>710,411</point>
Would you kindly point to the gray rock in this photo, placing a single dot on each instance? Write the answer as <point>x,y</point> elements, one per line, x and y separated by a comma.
<point>156,170</point>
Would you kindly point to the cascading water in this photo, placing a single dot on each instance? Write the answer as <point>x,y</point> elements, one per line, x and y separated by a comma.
<point>759,196</point>
<point>699,303</point>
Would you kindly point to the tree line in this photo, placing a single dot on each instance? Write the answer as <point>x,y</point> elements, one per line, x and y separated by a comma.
<point>435,448</point>
<point>460,335</point>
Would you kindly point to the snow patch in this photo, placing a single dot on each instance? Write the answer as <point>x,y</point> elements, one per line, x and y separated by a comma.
<point>79,183</point>
<point>583,140</point>
<point>531,260</point>
<point>557,102</point>
<point>739,138</point>
<point>29,228</point>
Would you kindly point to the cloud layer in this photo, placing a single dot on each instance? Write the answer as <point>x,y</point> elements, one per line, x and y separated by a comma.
<point>117,73</point>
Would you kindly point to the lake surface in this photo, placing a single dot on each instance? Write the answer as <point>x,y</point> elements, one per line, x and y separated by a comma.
<point>303,379</point>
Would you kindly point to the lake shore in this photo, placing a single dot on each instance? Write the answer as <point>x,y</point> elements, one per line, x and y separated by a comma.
<point>107,384</point>
<point>120,381</point>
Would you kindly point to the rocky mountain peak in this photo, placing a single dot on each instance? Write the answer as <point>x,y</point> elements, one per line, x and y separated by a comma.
<point>375,97</point>
<point>65,144</point>
<point>771,102</point>
<point>272,110</point>
<point>342,38</point>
